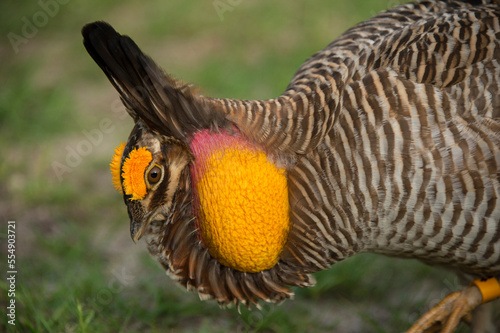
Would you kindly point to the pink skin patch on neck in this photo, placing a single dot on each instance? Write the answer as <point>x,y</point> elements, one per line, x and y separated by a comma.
<point>205,143</point>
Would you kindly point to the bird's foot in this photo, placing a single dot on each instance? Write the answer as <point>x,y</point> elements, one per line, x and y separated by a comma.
<point>456,306</point>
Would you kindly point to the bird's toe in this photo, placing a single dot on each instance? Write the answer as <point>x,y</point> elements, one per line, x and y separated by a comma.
<point>447,314</point>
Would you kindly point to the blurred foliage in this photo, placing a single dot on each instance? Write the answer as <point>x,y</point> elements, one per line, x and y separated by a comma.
<point>78,269</point>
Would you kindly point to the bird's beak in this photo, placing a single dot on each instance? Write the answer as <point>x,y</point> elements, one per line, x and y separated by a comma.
<point>137,229</point>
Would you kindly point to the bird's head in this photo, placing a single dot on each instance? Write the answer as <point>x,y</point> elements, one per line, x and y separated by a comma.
<point>235,199</point>
<point>150,170</point>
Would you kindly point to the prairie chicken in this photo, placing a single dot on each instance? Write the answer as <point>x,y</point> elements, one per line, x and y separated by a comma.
<point>386,141</point>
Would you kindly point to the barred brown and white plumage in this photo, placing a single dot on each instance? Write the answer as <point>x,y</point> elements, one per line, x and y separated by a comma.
<point>389,137</point>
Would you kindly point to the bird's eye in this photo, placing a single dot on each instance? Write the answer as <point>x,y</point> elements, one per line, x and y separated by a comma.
<point>154,175</point>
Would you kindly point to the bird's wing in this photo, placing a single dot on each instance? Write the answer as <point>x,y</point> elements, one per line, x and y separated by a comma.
<point>456,51</point>
<point>297,121</point>
<point>444,43</point>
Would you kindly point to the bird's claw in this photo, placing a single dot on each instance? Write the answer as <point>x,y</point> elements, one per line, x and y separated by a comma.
<point>448,313</point>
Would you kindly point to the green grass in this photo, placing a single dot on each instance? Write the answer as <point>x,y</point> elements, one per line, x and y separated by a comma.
<point>78,270</point>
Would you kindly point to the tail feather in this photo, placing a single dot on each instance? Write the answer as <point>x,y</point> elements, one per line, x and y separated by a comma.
<point>164,104</point>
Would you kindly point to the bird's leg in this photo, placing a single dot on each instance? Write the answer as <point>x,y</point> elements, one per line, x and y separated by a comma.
<point>457,305</point>
<point>482,320</point>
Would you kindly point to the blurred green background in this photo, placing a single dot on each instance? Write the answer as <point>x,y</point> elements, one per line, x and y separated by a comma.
<point>78,270</point>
